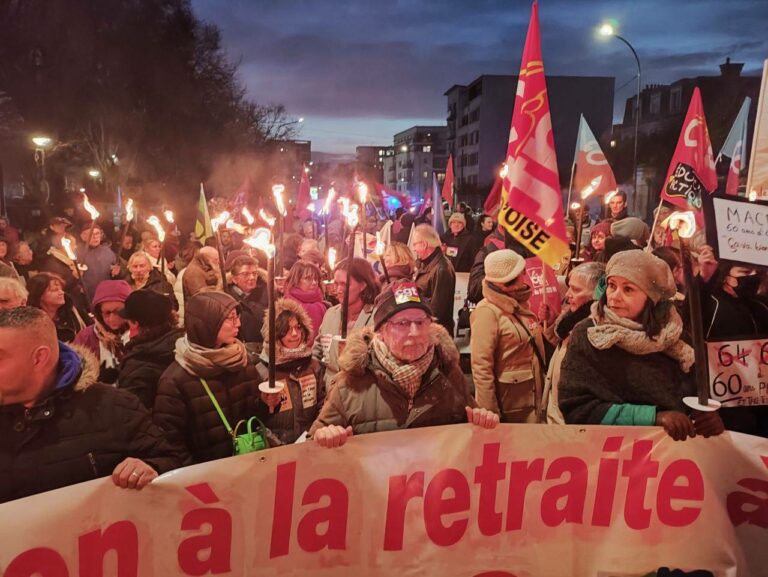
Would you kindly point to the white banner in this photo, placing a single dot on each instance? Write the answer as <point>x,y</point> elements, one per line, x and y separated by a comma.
<point>517,501</point>
<point>738,372</point>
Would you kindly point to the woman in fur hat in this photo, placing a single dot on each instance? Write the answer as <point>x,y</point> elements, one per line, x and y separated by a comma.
<point>291,411</point>
<point>626,364</point>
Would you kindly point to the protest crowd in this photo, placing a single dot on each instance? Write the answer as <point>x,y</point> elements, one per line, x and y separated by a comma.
<point>156,355</point>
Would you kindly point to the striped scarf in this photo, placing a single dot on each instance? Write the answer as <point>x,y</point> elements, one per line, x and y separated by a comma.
<point>406,375</point>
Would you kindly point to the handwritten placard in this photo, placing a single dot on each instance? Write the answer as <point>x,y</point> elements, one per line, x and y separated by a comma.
<point>738,372</point>
<point>742,231</point>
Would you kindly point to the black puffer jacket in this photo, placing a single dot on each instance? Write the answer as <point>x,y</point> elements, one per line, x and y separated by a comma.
<point>182,407</point>
<point>461,249</point>
<point>82,431</point>
<point>252,309</point>
<point>146,358</point>
<point>436,280</point>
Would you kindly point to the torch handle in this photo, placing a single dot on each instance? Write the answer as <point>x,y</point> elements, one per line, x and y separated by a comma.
<point>271,320</point>
<point>697,326</point>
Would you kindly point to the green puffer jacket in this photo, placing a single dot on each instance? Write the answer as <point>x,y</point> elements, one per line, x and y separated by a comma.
<point>365,398</point>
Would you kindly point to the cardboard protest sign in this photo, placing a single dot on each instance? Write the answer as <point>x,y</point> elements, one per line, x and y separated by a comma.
<point>740,232</point>
<point>738,372</point>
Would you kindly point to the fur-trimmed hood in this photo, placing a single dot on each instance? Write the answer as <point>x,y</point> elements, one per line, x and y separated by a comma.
<point>282,305</point>
<point>355,357</point>
<point>89,367</point>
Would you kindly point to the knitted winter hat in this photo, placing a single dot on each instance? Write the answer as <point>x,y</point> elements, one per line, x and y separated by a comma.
<point>602,226</point>
<point>457,217</point>
<point>398,296</point>
<point>647,271</point>
<point>632,228</point>
<point>502,266</point>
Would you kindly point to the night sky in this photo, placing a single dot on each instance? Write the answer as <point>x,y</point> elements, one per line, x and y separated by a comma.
<point>359,71</point>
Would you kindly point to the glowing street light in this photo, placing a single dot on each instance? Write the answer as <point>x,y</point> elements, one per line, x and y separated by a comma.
<point>42,141</point>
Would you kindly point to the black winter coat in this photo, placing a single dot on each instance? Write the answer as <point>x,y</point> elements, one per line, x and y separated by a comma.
<point>461,249</point>
<point>436,280</point>
<point>252,309</point>
<point>591,380</point>
<point>144,361</point>
<point>80,432</point>
<point>187,415</point>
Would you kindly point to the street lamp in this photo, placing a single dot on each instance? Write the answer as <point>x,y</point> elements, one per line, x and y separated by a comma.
<point>42,143</point>
<point>607,30</point>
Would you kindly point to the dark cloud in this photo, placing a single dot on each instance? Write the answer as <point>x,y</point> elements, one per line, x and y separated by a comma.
<point>373,59</point>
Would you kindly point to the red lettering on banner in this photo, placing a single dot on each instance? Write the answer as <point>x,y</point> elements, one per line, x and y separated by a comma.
<point>402,489</point>
<point>746,507</point>
<point>605,492</point>
<point>282,513</point>
<point>668,489</point>
<point>638,470</point>
<point>308,536</point>
<point>521,474</point>
<point>216,545</point>
<point>487,475</point>
<point>436,506</point>
<point>120,537</point>
<point>40,562</point>
<point>334,515</point>
<point>574,491</point>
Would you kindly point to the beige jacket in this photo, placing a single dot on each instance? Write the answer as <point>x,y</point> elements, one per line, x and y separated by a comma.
<point>506,371</point>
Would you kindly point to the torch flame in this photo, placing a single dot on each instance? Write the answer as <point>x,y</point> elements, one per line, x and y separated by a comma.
<point>591,187</point>
<point>332,258</point>
<point>247,216</point>
<point>154,222</point>
<point>168,216</point>
<point>752,195</point>
<point>380,246</point>
<point>575,206</point>
<point>260,240</point>
<point>67,244</point>
<point>329,200</point>
<point>362,190</point>
<point>683,222</point>
<point>90,208</point>
<point>277,192</point>
<point>504,171</point>
<point>129,210</point>
<point>266,217</point>
<point>349,211</point>
<point>219,220</point>
<point>232,225</point>
<point>609,196</point>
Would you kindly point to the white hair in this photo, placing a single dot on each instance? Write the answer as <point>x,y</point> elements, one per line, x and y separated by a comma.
<point>428,234</point>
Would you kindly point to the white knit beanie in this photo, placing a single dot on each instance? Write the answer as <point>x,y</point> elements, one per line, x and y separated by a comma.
<point>457,217</point>
<point>502,266</point>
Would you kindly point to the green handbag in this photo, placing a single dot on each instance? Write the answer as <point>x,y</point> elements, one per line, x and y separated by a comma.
<point>249,441</point>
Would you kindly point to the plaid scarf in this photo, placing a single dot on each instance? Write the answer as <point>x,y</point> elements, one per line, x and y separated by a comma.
<point>406,375</point>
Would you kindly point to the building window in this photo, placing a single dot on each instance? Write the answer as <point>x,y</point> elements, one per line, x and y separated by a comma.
<point>427,149</point>
<point>676,100</point>
<point>426,174</point>
<point>475,115</point>
<point>655,104</point>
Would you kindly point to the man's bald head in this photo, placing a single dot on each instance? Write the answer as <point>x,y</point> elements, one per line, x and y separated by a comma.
<point>209,254</point>
<point>29,354</point>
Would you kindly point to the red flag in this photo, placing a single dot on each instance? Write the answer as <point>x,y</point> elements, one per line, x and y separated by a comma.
<point>448,183</point>
<point>692,170</point>
<point>532,206</point>
<point>304,199</point>
<point>593,174</point>
<point>403,199</point>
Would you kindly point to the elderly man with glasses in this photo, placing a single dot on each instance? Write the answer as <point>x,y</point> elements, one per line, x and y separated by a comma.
<point>403,373</point>
<point>250,291</point>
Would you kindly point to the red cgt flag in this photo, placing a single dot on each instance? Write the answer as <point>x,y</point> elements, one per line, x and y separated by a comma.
<point>593,175</point>
<point>531,206</point>
<point>448,183</point>
<point>691,173</point>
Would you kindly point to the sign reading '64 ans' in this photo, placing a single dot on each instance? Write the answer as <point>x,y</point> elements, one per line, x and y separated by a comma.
<point>742,231</point>
<point>738,372</point>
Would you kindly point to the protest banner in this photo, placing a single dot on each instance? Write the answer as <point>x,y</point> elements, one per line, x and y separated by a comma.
<point>738,372</point>
<point>517,501</point>
<point>740,233</point>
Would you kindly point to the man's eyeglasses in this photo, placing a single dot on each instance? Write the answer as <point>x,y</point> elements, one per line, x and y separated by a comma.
<point>248,274</point>
<point>404,325</point>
